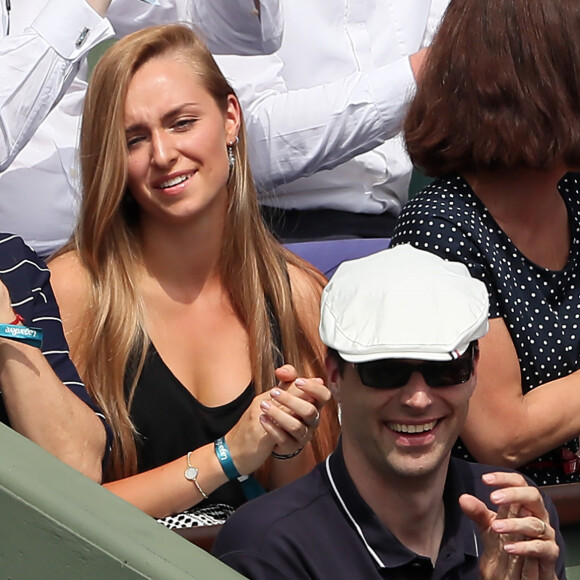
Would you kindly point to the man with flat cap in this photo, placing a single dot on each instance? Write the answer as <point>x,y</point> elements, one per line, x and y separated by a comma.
<point>402,328</point>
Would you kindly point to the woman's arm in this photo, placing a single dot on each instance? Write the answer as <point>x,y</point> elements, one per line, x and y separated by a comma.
<point>504,426</point>
<point>165,490</point>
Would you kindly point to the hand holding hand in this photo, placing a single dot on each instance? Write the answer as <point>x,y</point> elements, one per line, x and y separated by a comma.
<point>293,413</point>
<point>519,542</point>
<point>282,420</point>
<point>249,444</point>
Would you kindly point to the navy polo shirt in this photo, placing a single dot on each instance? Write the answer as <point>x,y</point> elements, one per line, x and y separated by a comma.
<point>319,527</point>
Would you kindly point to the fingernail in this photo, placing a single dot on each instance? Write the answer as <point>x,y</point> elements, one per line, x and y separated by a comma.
<point>497,496</point>
<point>265,405</point>
<point>509,548</point>
<point>498,526</point>
<point>488,478</point>
<point>299,382</point>
<point>275,393</point>
<point>263,419</point>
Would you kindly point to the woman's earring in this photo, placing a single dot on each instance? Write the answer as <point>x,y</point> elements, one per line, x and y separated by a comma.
<point>231,156</point>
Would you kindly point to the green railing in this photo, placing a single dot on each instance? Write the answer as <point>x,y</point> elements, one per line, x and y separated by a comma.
<point>56,523</point>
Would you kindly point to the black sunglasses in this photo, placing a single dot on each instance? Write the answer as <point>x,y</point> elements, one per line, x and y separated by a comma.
<point>394,373</point>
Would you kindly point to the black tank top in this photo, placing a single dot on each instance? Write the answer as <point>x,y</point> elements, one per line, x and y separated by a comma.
<point>170,421</point>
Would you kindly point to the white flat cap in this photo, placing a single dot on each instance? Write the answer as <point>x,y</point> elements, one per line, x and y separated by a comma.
<point>402,303</point>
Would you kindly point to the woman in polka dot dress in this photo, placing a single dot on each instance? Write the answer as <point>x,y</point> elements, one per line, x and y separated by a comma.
<point>496,119</point>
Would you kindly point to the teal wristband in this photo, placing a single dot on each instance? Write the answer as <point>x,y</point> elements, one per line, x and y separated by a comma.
<point>225,458</point>
<point>30,336</point>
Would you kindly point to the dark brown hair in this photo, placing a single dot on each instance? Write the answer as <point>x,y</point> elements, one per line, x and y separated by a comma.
<point>500,89</point>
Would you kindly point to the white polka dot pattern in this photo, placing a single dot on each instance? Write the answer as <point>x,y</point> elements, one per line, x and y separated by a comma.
<point>541,307</point>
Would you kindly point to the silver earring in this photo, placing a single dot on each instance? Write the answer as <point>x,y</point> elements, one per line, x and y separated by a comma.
<point>231,156</point>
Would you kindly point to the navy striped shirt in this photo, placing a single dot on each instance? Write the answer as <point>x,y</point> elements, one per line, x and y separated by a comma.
<point>28,281</point>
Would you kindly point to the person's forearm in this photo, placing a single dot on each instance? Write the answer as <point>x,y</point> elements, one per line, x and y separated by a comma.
<point>536,423</point>
<point>41,408</point>
<point>509,428</point>
<point>165,490</point>
<point>38,64</point>
<point>240,27</point>
<point>324,125</point>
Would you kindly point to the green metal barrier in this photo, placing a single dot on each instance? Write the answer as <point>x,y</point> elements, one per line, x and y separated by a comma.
<point>56,523</point>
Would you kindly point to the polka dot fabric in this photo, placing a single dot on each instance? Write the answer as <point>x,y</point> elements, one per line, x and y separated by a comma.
<point>541,308</point>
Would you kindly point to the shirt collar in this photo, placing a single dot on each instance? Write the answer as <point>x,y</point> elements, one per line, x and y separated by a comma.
<point>459,537</point>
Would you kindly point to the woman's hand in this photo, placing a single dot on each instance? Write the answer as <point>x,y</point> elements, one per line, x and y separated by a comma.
<point>249,443</point>
<point>519,541</point>
<point>282,420</point>
<point>293,413</point>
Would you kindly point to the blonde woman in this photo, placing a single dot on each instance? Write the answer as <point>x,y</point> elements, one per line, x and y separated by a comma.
<point>177,303</point>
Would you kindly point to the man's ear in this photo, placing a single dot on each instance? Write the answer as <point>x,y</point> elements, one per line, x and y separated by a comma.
<point>333,377</point>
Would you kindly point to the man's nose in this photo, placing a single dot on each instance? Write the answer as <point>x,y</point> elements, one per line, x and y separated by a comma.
<point>416,393</point>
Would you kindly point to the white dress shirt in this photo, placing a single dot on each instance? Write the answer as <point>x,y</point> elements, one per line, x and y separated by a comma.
<point>43,48</point>
<point>324,112</point>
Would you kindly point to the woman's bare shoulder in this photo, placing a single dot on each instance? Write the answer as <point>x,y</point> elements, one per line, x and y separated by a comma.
<point>307,285</point>
<point>70,281</point>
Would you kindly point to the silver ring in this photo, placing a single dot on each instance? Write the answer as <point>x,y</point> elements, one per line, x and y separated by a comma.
<point>543,529</point>
<point>316,419</point>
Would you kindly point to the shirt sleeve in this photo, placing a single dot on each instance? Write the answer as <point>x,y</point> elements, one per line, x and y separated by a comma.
<point>438,8</point>
<point>40,310</point>
<point>227,26</point>
<point>38,65</point>
<point>298,132</point>
<point>237,27</point>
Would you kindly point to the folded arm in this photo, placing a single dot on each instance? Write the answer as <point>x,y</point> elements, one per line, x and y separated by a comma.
<point>297,132</point>
<point>507,427</point>
<point>38,64</point>
<point>227,26</point>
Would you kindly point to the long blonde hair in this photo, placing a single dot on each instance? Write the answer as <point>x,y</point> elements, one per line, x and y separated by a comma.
<point>253,264</point>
